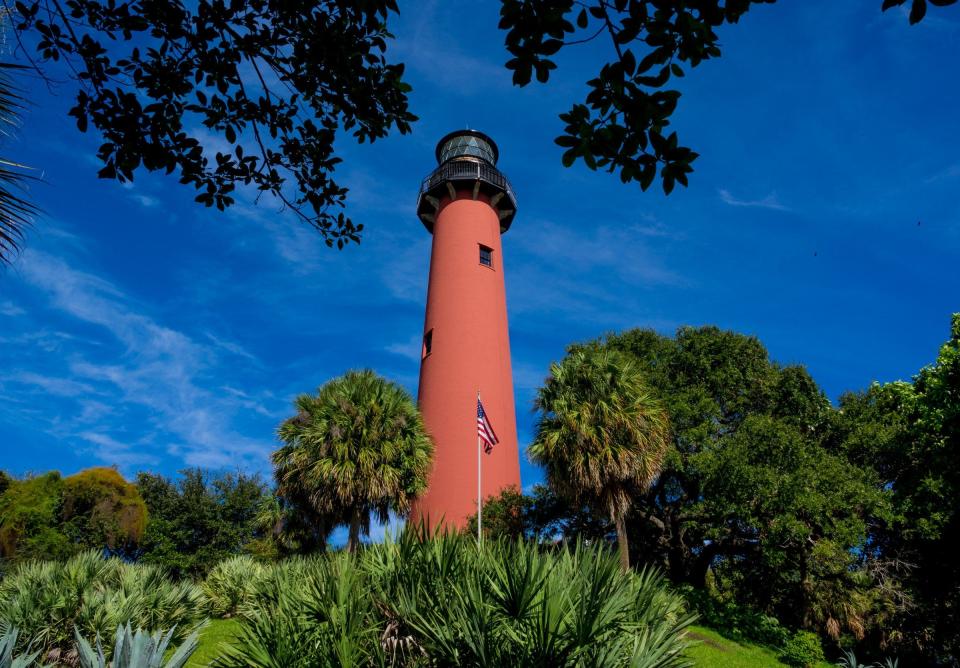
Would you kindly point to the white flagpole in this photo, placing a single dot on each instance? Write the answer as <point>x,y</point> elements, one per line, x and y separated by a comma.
<point>479,479</point>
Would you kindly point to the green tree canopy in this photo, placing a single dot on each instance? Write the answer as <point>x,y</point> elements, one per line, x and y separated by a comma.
<point>100,506</point>
<point>752,495</point>
<point>908,433</point>
<point>357,447</point>
<point>601,434</point>
<point>51,517</point>
<point>200,518</point>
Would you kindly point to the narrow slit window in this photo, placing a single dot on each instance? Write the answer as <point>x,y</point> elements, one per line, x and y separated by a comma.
<point>427,343</point>
<point>486,256</point>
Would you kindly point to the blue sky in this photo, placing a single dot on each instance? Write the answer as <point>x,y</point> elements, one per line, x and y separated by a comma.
<point>141,330</point>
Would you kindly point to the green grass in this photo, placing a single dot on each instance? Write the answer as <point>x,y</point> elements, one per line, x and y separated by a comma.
<point>715,651</point>
<point>218,632</point>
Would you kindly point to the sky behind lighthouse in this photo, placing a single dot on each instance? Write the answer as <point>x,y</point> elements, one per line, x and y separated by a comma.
<point>141,330</point>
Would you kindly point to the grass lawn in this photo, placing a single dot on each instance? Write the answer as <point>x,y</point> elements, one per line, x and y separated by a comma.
<point>716,651</point>
<point>216,633</point>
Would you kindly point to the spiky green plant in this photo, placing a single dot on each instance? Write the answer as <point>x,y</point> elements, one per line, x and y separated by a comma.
<point>8,645</point>
<point>314,612</point>
<point>441,601</point>
<point>138,649</point>
<point>46,600</point>
<point>231,584</point>
<point>16,211</point>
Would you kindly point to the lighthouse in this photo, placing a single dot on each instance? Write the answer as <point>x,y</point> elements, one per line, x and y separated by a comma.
<point>466,203</point>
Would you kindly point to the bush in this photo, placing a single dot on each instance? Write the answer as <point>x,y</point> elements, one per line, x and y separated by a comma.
<point>46,600</point>
<point>802,650</point>
<point>736,621</point>
<point>444,602</point>
<point>232,584</point>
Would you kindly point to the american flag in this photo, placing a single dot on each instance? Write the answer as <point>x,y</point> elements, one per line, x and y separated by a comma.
<point>485,429</point>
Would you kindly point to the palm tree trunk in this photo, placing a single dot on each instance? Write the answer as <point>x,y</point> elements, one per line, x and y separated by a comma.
<point>622,544</point>
<point>353,540</point>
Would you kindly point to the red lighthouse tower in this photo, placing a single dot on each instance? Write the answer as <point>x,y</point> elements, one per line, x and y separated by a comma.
<point>466,203</point>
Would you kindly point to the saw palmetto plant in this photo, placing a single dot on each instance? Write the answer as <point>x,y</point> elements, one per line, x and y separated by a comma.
<point>442,601</point>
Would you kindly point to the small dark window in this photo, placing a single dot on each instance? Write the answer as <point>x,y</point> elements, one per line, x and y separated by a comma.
<point>486,256</point>
<point>427,343</point>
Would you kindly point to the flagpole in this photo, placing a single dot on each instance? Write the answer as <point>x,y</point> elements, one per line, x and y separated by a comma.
<point>479,480</point>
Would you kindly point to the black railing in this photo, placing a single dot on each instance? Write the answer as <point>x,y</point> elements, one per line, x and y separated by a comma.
<point>467,170</point>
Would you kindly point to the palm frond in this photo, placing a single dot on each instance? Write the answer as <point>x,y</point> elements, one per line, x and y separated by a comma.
<point>16,212</point>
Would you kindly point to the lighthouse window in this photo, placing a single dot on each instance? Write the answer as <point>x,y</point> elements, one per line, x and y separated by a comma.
<point>427,343</point>
<point>486,256</point>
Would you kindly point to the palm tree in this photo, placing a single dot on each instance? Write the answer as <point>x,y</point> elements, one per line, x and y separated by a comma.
<point>601,435</point>
<point>15,211</point>
<point>358,447</point>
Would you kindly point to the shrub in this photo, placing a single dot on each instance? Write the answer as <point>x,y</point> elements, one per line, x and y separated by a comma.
<point>232,584</point>
<point>444,602</point>
<point>738,622</point>
<point>46,600</point>
<point>802,650</point>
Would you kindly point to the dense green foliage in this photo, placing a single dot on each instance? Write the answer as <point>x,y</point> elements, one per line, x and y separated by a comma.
<point>601,435</point>
<point>231,585</point>
<point>100,506</point>
<point>803,650</point>
<point>444,602</point>
<point>358,447</point>
<point>908,433</point>
<point>753,492</point>
<point>200,519</point>
<point>51,517</point>
<point>778,511</point>
<point>541,516</point>
<point>47,600</point>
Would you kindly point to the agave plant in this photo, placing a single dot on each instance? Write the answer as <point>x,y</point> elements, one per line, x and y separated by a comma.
<point>138,649</point>
<point>8,644</point>
<point>46,600</point>
<point>849,660</point>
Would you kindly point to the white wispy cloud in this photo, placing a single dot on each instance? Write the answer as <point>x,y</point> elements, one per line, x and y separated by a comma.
<point>769,202</point>
<point>410,348</point>
<point>160,372</point>
<point>8,308</point>
<point>63,387</point>
<point>145,200</point>
<point>108,449</point>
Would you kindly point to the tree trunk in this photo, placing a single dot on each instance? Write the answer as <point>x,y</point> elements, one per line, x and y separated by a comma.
<point>353,539</point>
<point>622,543</point>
